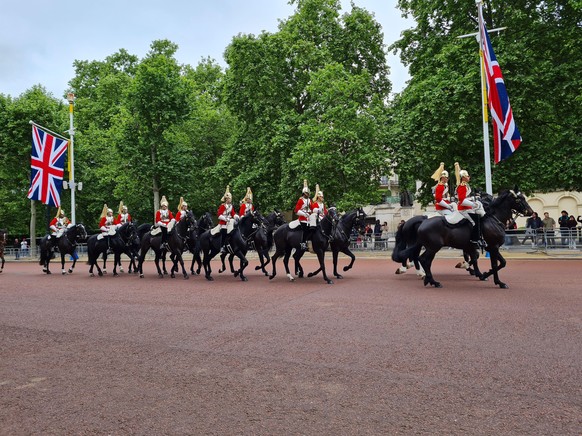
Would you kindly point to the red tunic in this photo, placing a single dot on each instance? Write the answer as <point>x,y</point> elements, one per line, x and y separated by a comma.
<point>439,193</point>
<point>119,217</point>
<point>179,215</point>
<point>463,191</point>
<point>224,210</point>
<point>305,205</point>
<point>243,208</point>
<point>167,219</point>
<point>103,222</point>
<point>58,225</point>
<point>317,205</point>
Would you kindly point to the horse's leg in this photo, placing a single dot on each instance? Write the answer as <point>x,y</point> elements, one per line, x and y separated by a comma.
<point>223,265</point>
<point>198,262</point>
<point>321,258</point>
<point>230,262</point>
<point>105,262</point>
<point>72,268</point>
<point>351,255</point>
<point>116,261</point>
<point>334,256</point>
<point>63,262</point>
<point>243,264</point>
<point>425,260</point>
<point>163,254</point>
<point>286,264</point>
<point>296,258</point>
<point>274,262</point>
<point>207,268</point>
<point>497,262</point>
<point>157,262</point>
<point>181,260</point>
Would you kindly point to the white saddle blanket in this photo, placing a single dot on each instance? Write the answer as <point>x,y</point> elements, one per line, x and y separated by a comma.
<point>294,224</point>
<point>214,230</point>
<point>455,217</point>
<point>156,231</point>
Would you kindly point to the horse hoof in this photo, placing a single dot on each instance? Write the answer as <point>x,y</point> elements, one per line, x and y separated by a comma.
<point>44,270</point>
<point>209,278</point>
<point>100,274</point>
<point>173,275</point>
<point>339,276</point>
<point>236,274</point>
<point>186,276</point>
<point>437,285</point>
<point>70,271</point>
<point>346,268</point>
<point>48,272</point>
<point>257,268</point>
<point>160,276</point>
<point>329,282</point>
<point>459,265</point>
<point>244,279</point>
<point>141,276</point>
<point>64,273</point>
<point>91,275</point>
<point>115,275</point>
<point>503,286</point>
<point>104,272</point>
<point>166,273</point>
<point>271,277</point>
<point>120,269</point>
<point>266,274</point>
<point>309,275</point>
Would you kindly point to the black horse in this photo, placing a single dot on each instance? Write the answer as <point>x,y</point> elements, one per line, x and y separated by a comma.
<point>262,240</point>
<point>287,239</point>
<point>204,223</point>
<point>2,246</point>
<point>237,242</point>
<point>67,244</point>
<point>131,250</point>
<point>117,243</point>
<point>176,238</point>
<point>434,233</point>
<point>340,239</point>
<point>180,239</point>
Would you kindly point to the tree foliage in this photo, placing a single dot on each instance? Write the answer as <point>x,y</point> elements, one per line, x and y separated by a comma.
<point>438,116</point>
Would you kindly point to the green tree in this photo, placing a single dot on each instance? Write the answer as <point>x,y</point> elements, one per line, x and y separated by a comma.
<point>438,116</point>
<point>311,102</point>
<point>15,148</point>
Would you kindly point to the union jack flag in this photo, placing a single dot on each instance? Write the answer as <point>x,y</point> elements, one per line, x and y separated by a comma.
<point>46,167</point>
<point>505,133</point>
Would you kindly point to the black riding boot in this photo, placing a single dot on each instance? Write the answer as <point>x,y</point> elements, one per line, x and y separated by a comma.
<point>164,238</point>
<point>223,238</point>
<point>304,233</point>
<point>476,237</point>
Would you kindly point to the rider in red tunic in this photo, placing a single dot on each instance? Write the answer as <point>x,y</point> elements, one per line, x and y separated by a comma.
<point>442,201</point>
<point>182,208</point>
<point>303,211</point>
<point>318,205</point>
<point>59,224</point>
<point>225,213</point>
<point>107,222</point>
<point>123,216</point>
<point>467,204</point>
<point>164,220</point>
<point>247,203</point>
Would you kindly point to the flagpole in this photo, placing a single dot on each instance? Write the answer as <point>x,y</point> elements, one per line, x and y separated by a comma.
<point>71,99</point>
<point>486,148</point>
<point>47,130</point>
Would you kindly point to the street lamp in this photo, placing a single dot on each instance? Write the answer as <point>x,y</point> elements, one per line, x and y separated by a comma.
<point>71,100</point>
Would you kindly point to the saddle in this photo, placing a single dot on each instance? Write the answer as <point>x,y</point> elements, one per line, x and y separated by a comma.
<point>454,219</point>
<point>296,224</point>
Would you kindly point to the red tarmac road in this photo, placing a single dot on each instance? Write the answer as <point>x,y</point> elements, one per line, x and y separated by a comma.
<point>375,353</point>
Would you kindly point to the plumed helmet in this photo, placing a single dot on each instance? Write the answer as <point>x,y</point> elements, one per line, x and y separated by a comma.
<point>305,187</point>
<point>59,212</point>
<point>445,173</point>
<point>104,211</point>
<point>464,173</point>
<point>436,176</point>
<point>459,173</point>
<point>318,193</point>
<point>122,207</point>
<point>248,195</point>
<point>163,201</point>
<point>227,194</point>
<point>109,211</point>
<point>182,203</point>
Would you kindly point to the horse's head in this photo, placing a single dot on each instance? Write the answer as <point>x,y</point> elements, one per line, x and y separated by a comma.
<point>332,214</point>
<point>80,232</point>
<point>191,220</point>
<point>278,218</point>
<point>205,221</point>
<point>520,205</point>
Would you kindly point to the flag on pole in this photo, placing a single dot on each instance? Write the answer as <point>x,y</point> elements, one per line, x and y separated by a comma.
<point>47,163</point>
<point>506,135</point>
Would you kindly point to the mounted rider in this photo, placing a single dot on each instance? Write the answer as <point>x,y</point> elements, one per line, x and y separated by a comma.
<point>247,203</point>
<point>106,223</point>
<point>164,221</point>
<point>58,225</point>
<point>303,212</point>
<point>318,209</point>
<point>442,200</point>
<point>226,218</point>
<point>123,215</point>
<point>468,206</point>
<point>182,209</point>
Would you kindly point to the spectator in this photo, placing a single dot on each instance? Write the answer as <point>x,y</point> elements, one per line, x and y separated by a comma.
<point>549,224</point>
<point>580,235</point>
<point>16,248</point>
<point>532,225</point>
<point>24,248</point>
<point>510,228</point>
<point>572,232</point>
<point>564,230</point>
<point>385,232</point>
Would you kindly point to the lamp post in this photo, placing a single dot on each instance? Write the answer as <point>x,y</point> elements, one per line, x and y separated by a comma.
<point>71,99</point>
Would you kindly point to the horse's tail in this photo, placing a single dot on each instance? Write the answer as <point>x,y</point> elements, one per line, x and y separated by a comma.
<point>406,239</point>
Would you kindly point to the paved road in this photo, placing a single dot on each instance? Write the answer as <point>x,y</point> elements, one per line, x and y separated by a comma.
<point>375,353</point>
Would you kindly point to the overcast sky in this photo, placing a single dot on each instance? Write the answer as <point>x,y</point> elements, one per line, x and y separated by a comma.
<point>40,39</point>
